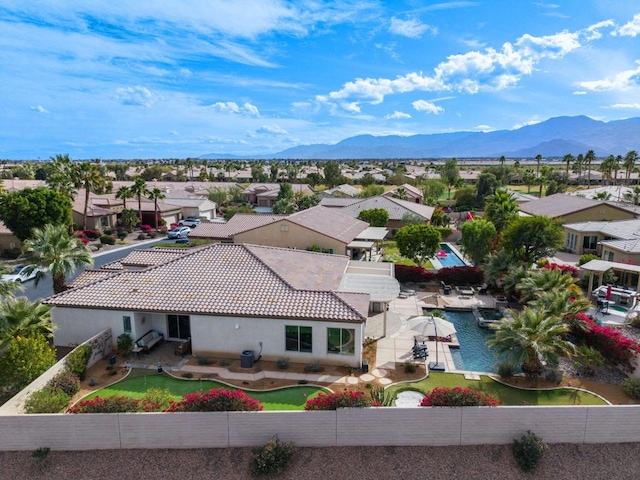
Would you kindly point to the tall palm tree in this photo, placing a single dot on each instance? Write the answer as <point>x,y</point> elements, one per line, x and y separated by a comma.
<point>616,167</point>
<point>577,166</point>
<point>538,160</point>
<point>588,158</point>
<point>156,194</point>
<point>544,280</point>
<point>59,254</point>
<point>498,265</point>
<point>528,178</point>
<point>629,164</point>
<point>123,194</point>
<point>564,305</point>
<point>63,178</point>
<point>568,160</point>
<point>500,208</point>
<point>139,189</point>
<point>531,339</point>
<point>607,167</point>
<point>20,317</point>
<point>89,178</point>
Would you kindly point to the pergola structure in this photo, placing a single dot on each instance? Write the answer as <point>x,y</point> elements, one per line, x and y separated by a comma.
<point>600,267</point>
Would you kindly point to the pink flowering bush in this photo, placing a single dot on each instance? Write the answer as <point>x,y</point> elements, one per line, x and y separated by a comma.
<point>335,400</point>
<point>458,397</point>
<point>568,269</point>
<point>461,275</point>
<point>80,236</point>
<point>216,400</point>
<point>406,273</point>
<point>146,228</point>
<point>115,404</point>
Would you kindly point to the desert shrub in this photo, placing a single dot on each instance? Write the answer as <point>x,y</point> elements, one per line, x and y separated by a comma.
<point>273,457</point>
<point>47,400</point>
<point>635,320</point>
<point>40,454</point>
<point>587,257</point>
<point>202,360</point>
<point>216,400</point>
<point>156,400</point>
<point>553,375</point>
<point>505,370</point>
<point>409,367</point>
<point>631,386</point>
<point>187,375</point>
<point>461,275</point>
<point>457,397</point>
<point>528,451</point>
<point>225,362</point>
<point>66,381</point>
<point>142,236</point>
<point>77,360</point>
<point>125,342</point>
<point>92,234</point>
<point>380,397</point>
<point>335,400</point>
<point>122,234</point>
<point>115,404</point>
<point>107,240</point>
<point>313,367</point>
<point>108,231</point>
<point>282,363</point>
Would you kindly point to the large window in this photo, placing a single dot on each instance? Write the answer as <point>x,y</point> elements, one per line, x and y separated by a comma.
<point>590,242</point>
<point>179,326</point>
<point>572,240</point>
<point>126,324</point>
<point>341,341</point>
<point>298,339</point>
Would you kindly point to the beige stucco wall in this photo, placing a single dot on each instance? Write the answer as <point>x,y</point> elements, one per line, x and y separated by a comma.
<point>579,248</point>
<point>598,213</point>
<point>76,325</point>
<point>8,241</point>
<point>294,236</point>
<point>622,257</point>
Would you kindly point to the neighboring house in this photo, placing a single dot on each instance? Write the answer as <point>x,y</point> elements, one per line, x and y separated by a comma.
<point>195,207</point>
<point>102,210</point>
<point>229,298</point>
<point>409,192</point>
<point>396,208</point>
<point>318,227</point>
<point>266,194</point>
<point>608,240</point>
<point>342,191</point>
<point>521,198</point>
<point>10,245</point>
<point>573,209</point>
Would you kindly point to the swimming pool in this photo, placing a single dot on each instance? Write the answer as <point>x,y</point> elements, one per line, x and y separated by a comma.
<point>473,354</point>
<point>451,259</point>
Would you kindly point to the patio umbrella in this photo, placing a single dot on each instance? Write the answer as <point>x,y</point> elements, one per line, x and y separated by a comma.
<point>432,327</point>
<point>608,297</point>
<point>436,299</point>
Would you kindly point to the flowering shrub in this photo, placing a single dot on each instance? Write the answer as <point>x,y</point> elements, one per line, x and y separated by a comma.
<point>146,228</point>
<point>216,400</point>
<point>461,275</point>
<point>80,236</point>
<point>66,381</point>
<point>458,397</point>
<point>612,345</point>
<point>91,234</point>
<point>115,404</point>
<point>335,400</point>
<point>405,273</point>
<point>568,269</point>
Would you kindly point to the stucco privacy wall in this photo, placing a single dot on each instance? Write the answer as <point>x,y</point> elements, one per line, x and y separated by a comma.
<point>101,346</point>
<point>345,427</point>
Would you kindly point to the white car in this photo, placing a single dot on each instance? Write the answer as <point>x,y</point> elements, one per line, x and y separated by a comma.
<point>179,232</point>
<point>20,274</point>
<point>190,222</point>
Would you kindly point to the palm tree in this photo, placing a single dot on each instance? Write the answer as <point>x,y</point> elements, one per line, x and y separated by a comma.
<point>139,189</point>
<point>123,194</point>
<point>629,164</point>
<point>633,195</point>
<point>156,194</point>
<point>588,158</point>
<point>128,219</point>
<point>577,166</point>
<point>531,339</point>
<point>607,167</point>
<point>528,178</point>
<point>59,254</point>
<point>616,167</point>
<point>538,160</point>
<point>542,281</point>
<point>63,178</point>
<point>498,266</point>
<point>88,176</point>
<point>564,305</point>
<point>500,208</point>
<point>603,196</point>
<point>568,160</point>
<point>20,317</point>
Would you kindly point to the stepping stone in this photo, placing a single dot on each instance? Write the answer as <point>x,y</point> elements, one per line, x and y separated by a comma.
<point>378,372</point>
<point>352,380</point>
<point>367,377</point>
<point>384,381</point>
<point>471,376</point>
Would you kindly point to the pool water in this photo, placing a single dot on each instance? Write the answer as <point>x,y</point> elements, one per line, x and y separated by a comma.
<point>473,354</point>
<point>451,259</point>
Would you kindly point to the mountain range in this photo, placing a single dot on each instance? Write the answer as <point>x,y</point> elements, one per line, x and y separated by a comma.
<point>555,137</point>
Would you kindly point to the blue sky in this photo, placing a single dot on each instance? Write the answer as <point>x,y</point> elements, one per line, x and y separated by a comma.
<point>175,79</point>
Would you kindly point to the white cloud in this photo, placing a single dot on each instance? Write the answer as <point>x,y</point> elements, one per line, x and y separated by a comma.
<point>635,106</point>
<point>483,128</point>
<point>630,29</point>
<point>411,28</point>
<point>271,130</point>
<point>427,107</point>
<point>579,92</point>
<point>525,124</point>
<point>620,81</point>
<point>397,115</point>
<point>251,109</point>
<point>233,107</point>
<point>137,95</point>
<point>38,108</point>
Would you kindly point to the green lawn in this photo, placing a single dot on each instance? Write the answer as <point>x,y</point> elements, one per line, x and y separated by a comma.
<point>392,254</point>
<point>505,395</point>
<point>290,398</point>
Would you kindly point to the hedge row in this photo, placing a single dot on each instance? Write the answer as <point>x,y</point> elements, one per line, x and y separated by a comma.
<point>451,275</point>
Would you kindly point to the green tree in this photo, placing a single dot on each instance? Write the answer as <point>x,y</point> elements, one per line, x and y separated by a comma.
<point>123,194</point>
<point>607,167</point>
<point>465,198</point>
<point>244,208</point>
<point>499,265</point>
<point>59,254</point>
<point>89,178</point>
<point>528,178</point>
<point>372,191</point>
<point>568,160</point>
<point>500,208</point>
<point>21,318</point>
<point>63,178</point>
<point>139,190</point>
<point>304,202</point>
<point>286,192</point>
<point>450,174</point>
<point>129,218</point>
<point>418,242</point>
<point>284,206</point>
<point>156,194</point>
<point>432,190</point>
<point>217,195</point>
<point>487,185</point>
<point>332,174</point>
<point>531,238</point>
<point>531,339</point>
<point>588,159</point>
<point>629,164</point>
<point>376,217</point>
<point>478,236</point>
<point>23,210</point>
<point>22,361</point>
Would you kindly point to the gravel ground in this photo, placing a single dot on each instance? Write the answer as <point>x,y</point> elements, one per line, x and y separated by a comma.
<point>562,461</point>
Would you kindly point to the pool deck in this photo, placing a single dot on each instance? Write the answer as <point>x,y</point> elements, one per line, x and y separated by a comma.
<point>395,348</point>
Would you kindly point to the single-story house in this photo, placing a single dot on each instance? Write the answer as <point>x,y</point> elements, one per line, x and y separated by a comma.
<point>608,240</point>
<point>574,209</point>
<point>266,194</point>
<point>407,192</point>
<point>228,298</point>
<point>344,190</point>
<point>102,210</point>
<point>10,245</point>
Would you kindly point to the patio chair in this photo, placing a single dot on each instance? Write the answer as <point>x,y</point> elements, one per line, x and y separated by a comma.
<point>183,348</point>
<point>483,289</point>
<point>446,289</point>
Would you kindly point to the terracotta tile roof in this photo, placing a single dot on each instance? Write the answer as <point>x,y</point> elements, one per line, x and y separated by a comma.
<point>229,279</point>
<point>330,222</point>
<point>397,208</point>
<point>240,222</point>
<point>560,204</point>
<point>146,258</point>
<point>90,276</point>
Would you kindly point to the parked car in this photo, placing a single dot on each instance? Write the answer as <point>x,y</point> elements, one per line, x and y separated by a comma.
<point>21,273</point>
<point>179,232</point>
<point>190,222</point>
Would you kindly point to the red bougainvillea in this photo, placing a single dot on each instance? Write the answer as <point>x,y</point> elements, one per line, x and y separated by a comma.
<point>569,269</point>
<point>115,404</point>
<point>216,400</point>
<point>458,397</point>
<point>335,400</point>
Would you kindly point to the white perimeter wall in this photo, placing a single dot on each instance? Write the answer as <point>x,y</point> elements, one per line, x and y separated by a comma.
<point>345,427</point>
